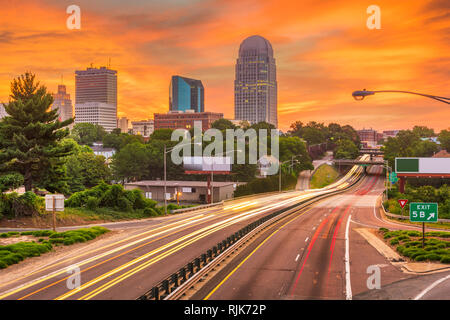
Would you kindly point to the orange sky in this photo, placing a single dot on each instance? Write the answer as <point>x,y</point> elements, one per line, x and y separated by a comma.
<point>323,51</point>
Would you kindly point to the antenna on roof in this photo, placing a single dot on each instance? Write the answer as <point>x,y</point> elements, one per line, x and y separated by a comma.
<point>92,64</point>
<point>109,63</point>
<point>62,79</point>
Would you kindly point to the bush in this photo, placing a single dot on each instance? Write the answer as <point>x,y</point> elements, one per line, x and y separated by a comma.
<point>92,203</point>
<point>445,259</point>
<point>124,204</point>
<point>151,212</point>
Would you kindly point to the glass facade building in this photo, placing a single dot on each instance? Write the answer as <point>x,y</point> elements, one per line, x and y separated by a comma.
<point>255,85</point>
<point>186,94</point>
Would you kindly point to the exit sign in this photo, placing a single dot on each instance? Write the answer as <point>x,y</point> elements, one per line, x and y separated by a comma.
<point>423,212</point>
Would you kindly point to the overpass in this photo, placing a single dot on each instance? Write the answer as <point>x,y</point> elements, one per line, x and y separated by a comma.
<point>358,162</point>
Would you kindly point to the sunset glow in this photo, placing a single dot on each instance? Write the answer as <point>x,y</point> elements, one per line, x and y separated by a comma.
<point>323,51</point>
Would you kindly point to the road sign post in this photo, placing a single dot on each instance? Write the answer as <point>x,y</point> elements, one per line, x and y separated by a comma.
<point>423,212</point>
<point>402,203</point>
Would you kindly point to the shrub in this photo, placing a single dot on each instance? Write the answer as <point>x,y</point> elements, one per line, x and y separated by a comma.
<point>383,230</point>
<point>445,259</point>
<point>92,203</point>
<point>124,204</point>
<point>151,212</point>
<point>394,241</point>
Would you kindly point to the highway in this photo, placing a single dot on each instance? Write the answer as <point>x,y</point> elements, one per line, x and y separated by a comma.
<point>309,266</point>
<point>319,254</point>
<point>126,268</point>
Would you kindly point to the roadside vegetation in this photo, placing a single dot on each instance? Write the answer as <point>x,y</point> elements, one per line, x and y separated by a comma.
<point>409,244</point>
<point>323,176</point>
<point>440,195</point>
<point>45,241</point>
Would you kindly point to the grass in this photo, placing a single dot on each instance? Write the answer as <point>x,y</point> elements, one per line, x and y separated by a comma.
<point>409,244</point>
<point>323,176</point>
<point>101,214</point>
<point>14,253</point>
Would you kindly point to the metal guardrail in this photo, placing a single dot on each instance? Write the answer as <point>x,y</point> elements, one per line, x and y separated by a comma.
<point>191,270</point>
<point>197,207</point>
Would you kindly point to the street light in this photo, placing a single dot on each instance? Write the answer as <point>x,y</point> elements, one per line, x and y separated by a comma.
<point>361,94</point>
<point>279,174</point>
<point>165,165</point>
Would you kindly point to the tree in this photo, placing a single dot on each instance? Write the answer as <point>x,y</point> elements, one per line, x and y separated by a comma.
<point>161,134</point>
<point>407,144</point>
<point>119,140</point>
<point>294,147</point>
<point>444,139</point>
<point>87,133</point>
<point>30,135</point>
<point>346,149</point>
<point>131,162</point>
<point>223,124</point>
<point>10,180</point>
<point>423,131</point>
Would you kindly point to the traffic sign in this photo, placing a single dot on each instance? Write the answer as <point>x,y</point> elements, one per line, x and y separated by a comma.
<point>423,212</point>
<point>402,202</point>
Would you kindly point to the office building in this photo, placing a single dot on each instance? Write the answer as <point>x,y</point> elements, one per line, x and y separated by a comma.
<point>96,85</point>
<point>2,111</point>
<point>255,85</point>
<point>186,94</point>
<point>61,100</point>
<point>96,97</point>
<point>103,114</point>
<point>122,124</point>
<point>185,120</point>
<point>143,127</point>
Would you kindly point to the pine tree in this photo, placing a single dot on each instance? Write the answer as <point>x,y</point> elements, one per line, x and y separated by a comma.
<point>30,136</point>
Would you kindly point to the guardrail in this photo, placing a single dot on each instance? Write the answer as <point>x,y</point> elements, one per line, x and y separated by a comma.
<point>197,207</point>
<point>196,268</point>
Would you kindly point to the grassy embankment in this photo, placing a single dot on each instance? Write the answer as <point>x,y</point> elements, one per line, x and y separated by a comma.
<point>409,244</point>
<point>323,176</point>
<point>46,239</point>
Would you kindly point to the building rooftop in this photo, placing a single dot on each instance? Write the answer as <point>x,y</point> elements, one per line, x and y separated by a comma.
<point>442,154</point>
<point>255,45</point>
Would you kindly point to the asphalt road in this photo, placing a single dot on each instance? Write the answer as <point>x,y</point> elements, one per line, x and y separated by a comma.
<point>306,257</point>
<point>125,268</point>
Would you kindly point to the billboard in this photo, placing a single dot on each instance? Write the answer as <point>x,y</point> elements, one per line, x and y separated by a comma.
<point>423,165</point>
<point>207,164</point>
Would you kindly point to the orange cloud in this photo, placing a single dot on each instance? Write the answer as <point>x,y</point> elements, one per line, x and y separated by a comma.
<point>323,50</point>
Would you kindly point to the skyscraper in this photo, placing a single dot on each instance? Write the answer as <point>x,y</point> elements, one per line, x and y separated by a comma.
<point>96,85</point>
<point>186,94</point>
<point>61,100</point>
<point>255,85</point>
<point>96,97</point>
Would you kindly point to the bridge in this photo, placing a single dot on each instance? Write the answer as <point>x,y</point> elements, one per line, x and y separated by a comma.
<point>358,162</point>
<point>371,151</point>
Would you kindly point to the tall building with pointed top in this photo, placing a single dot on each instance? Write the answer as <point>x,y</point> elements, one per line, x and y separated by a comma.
<point>61,100</point>
<point>255,85</point>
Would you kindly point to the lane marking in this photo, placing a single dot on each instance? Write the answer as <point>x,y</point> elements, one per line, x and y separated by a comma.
<point>251,253</point>
<point>307,238</point>
<point>296,258</point>
<point>348,285</point>
<point>430,287</point>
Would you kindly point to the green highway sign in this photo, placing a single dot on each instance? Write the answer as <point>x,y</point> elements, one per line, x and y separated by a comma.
<point>423,212</point>
<point>393,177</point>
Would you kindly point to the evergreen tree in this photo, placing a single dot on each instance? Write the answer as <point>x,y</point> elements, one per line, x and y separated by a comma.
<point>30,136</point>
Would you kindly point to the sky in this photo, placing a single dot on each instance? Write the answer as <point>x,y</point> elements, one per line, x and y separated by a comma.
<point>323,50</point>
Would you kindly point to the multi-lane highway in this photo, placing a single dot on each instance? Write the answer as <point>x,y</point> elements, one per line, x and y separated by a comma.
<point>128,266</point>
<point>301,257</point>
<point>319,254</point>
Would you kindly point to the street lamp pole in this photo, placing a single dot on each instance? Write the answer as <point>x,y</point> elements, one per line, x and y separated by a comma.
<point>165,181</point>
<point>279,174</point>
<point>361,94</point>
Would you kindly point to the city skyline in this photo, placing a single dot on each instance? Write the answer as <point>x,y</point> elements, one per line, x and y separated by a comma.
<point>324,52</point>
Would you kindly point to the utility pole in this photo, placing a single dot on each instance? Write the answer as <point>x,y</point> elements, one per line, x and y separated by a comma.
<point>165,182</point>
